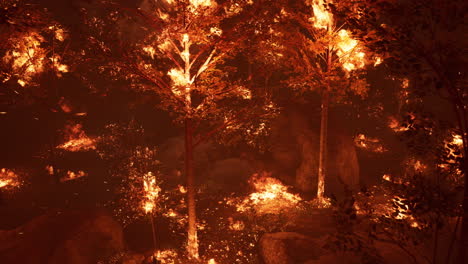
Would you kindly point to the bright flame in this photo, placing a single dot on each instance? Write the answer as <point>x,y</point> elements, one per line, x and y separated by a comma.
<point>368,143</point>
<point>270,196</point>
<point>166,256</point>
<point>27,57</point>
<point>8,178</point>
<point>150,50</point>
<point>395,125</point>
<point>151,191</point>
<point>457,140</point>
<point>178,78</point>
<point>77,139</point>
<point>322,18</point>
<point>349,53</point>
<point>71,175</point>
<point>201,3</point>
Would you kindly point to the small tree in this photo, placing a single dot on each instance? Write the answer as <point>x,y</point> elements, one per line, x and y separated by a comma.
<point>325,58</point>
<point>184,55</point>
<point>421,41</point>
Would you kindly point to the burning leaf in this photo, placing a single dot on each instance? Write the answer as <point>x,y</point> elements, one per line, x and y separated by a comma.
<point>8,178</point>
<point>368,143</point>
<point>77,139</point>
<point>151,191</point>
<point>270,196</point>
<point>71,175</point>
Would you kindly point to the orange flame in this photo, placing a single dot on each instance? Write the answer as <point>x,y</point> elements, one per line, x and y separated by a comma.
<point>77,139</point>
<point>368,143</point>
<point>8,178</point>
<point>71,175</point>
<point>322,18</point>
<point>151,192</point>
<point>270,196</point>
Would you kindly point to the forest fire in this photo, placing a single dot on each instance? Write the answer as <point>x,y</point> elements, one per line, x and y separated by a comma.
<point>368,143</point>
<point>233,132</point>
<point>151,191</point>
<point>270,196</point>
<point>71,175</point>
<point>8,179</point>
<point>77,139</point>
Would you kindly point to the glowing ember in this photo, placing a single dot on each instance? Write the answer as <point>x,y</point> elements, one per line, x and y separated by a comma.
<point>349,52</point>
<point>77,139</point>
<point>370,144</point>
<point>27,55</point>
<point>182,189</point>
<point>396,126</point>
<point>236,225</point>
<point>211,261</point>
<point>151,191</point>
<point>73,175</point>
<point>8,178</point>
<point>201,3</point>
<point>270,196</point>
<point>457,140</point>
<point>322,18</point>
<point>167,256</point>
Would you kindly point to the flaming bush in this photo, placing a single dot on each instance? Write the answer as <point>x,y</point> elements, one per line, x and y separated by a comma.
<point>77,139</point>
<point>8,179</point>
<point>270,196</point>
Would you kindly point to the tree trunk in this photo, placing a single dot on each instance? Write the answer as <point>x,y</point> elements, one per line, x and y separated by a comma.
<point>322,171</point>
<point>323,146</point>
<point>463,254</point>
<point>192,241</point>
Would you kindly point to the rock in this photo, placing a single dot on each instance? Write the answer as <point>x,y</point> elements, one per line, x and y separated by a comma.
<point>133,259</point>
<point>295,152</point>
<point>72,237</point>
<point>289,247</point>
<point>229,174</point>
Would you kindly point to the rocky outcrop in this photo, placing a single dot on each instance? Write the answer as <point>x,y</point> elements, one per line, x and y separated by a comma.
<point>289,247</point>
<point>295,152</point>
<point>62,238</point>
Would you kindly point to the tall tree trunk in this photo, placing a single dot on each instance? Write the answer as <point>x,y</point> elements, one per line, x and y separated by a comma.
<point>323,146</point>
<point>463,254</point>
<point>322,171</point>
<point>192,240</point>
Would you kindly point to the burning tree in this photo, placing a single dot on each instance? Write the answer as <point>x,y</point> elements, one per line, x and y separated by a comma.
<point>420,42</point>
<point>329,63</point>
<point>184,55</point>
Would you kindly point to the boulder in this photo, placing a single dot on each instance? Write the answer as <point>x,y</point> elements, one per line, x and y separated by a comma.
<point>229,174</point>
<point>72,237</point>
<point>295,152</point>
<point>289,247</point>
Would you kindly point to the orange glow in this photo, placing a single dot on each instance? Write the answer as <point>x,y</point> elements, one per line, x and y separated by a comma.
<point>368,143</point>
<point>151,191</point>
<point>182,189</point>
<point>270,196</point>
<point>350,54</point>
<point>71,175</point>
<point>395,125</point>
<point>77,139</point>
<point>8,178</point>
<point>457,140</point>
<point>166,256</point>
<point>322,18</point>
<point>201,3</point>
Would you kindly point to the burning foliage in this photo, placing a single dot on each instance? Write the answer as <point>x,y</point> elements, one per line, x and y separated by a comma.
<point>76,139</point>
<point>151,191</point>
<point>8,179</point>
<point>270,196</point>
<point>369,144</point>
